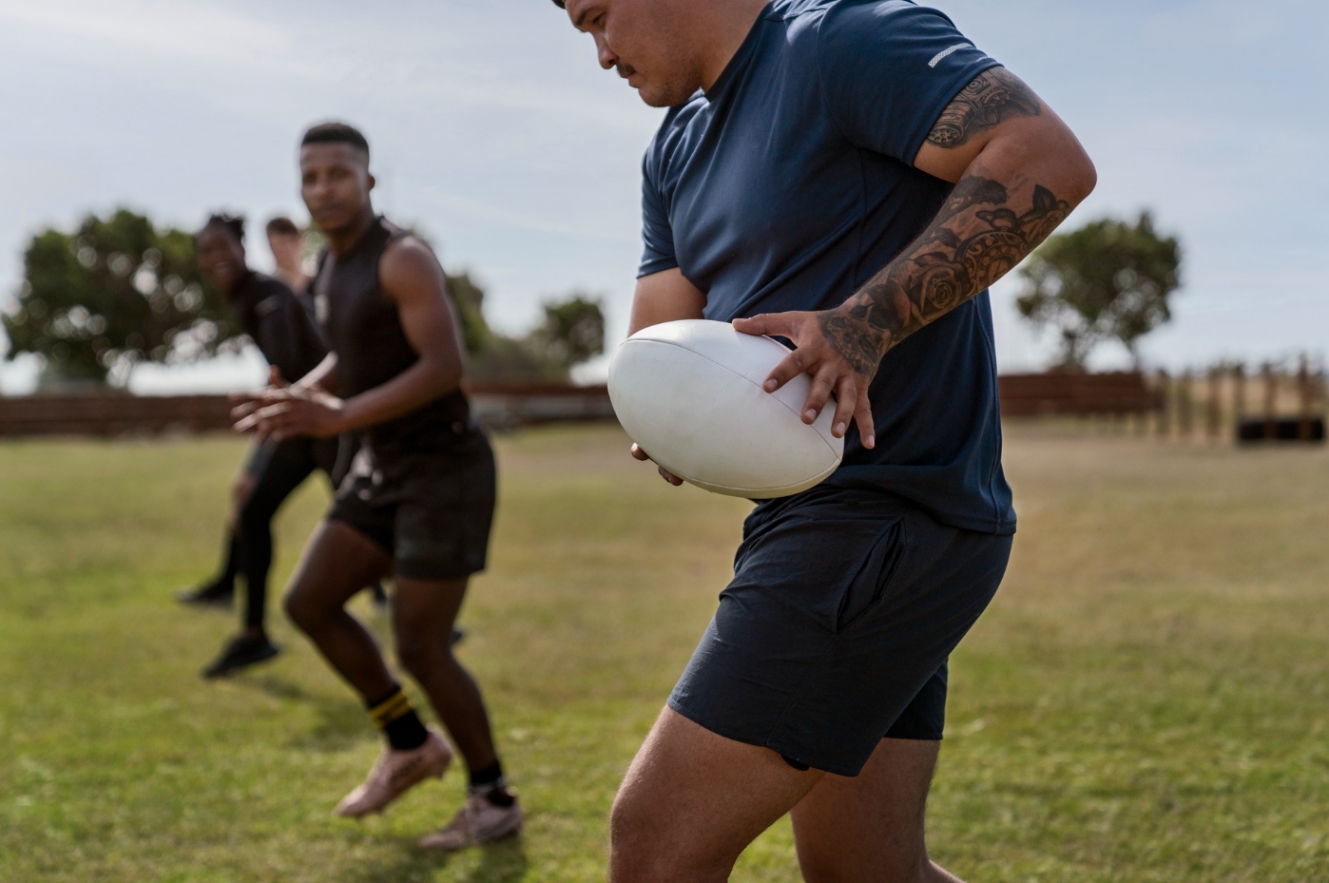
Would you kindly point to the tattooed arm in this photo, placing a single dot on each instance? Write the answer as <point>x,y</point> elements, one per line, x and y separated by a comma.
<point>1018,171</point>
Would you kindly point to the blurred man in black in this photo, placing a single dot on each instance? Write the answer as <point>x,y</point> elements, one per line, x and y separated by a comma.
<point>288,251</point>
<point>280,326</point>
<point>420,497</point>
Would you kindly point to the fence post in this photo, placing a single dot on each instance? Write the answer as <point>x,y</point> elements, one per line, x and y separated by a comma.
<point>1185,416</point>
<point>1212,406</point>
<point>1164,412</point>
<point>1238,395</point>
<point>1270,400</point>
<point>1306,395</point>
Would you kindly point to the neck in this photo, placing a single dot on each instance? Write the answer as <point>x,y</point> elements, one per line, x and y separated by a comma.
<point>230,290</point>
<point>725,26</point>
<point>340,242</point>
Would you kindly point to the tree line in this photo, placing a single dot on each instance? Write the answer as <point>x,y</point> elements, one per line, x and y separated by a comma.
<point>117,291</point>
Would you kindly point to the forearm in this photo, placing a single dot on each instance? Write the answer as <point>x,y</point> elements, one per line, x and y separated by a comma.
<point>324,376</point>
<point>409,391</point>
<point>1005,204</point>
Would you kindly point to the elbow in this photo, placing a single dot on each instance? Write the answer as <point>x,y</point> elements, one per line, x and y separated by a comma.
<point>1086,178</point>
<point>1081,176</point>
<point>447,376</point>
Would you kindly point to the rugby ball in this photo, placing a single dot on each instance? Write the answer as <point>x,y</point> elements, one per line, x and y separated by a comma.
<point>690,394</point>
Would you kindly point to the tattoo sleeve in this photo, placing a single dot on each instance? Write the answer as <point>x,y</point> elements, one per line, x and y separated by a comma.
<point>990,98</point>
<point>981,233</point>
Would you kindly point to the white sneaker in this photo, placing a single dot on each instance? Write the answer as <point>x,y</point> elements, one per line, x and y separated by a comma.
<point>395,773</point>
<point>478,821</point>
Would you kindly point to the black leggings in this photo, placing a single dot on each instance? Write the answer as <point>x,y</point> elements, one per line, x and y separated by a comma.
<point>286,468</point>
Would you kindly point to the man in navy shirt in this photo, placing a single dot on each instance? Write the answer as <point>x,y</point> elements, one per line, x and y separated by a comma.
<point>850,176</point>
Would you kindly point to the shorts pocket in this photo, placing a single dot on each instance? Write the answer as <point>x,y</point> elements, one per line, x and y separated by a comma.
<point>870,584</point>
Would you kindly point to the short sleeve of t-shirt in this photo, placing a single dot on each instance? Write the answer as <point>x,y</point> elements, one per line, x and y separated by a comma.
<point>656,233</point>
<point>889,68</point>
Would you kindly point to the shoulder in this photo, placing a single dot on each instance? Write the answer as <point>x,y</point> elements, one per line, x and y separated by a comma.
<point>270,286</point>
<point>407,264</point>
<point>260,293</point>
<point>849,25</point>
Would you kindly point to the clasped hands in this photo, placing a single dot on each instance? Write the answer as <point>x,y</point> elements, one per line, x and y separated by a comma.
<point>281,411</point>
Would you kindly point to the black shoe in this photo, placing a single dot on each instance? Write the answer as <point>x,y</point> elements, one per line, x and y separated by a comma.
<point>240,652</point>
<point>207,596</point>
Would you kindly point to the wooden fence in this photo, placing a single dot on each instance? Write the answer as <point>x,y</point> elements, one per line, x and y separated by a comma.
<point>1223,402</point>
<point>1079,395</point>
<point>495,405</point>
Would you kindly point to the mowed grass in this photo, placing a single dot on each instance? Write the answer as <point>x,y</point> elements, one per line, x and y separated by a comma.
<point>1147,699</point>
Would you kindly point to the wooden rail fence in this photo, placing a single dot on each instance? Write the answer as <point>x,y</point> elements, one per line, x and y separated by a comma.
<point>1286,404</point>
<point>495,405</point>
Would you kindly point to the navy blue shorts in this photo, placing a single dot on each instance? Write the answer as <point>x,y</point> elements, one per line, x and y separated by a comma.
<point>835,631</point>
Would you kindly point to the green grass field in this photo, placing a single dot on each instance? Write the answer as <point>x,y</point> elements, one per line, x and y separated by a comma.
<point>1147,699</point>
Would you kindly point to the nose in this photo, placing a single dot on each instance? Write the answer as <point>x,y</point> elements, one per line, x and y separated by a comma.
<point>607,57</point>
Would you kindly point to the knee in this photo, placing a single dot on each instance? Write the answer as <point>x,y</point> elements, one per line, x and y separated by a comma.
<point>639,853</point>
<point>304,608</point>
<point>630,853</point>
<point>419,656</point>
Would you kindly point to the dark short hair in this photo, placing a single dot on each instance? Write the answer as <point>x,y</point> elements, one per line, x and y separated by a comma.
<point>282,226</point>
<point>559,4</point>
<point>234,224</point>
<point>335,133</point>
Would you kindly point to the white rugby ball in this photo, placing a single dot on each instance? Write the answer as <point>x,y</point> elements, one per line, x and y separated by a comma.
<point>690,394</point>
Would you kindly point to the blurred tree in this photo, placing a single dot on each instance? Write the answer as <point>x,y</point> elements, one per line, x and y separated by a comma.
<point>573,332</point>
<point>1110,279</point>
<point>470,300</point>
<point>115,292</point>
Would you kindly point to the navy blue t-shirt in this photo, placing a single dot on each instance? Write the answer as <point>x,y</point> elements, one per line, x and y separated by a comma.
<point>789,184</point>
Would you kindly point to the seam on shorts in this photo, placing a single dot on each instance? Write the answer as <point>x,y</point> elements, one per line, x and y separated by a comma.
<point>841,628</point>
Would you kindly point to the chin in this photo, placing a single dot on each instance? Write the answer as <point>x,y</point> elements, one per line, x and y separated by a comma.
<point>665,95</point>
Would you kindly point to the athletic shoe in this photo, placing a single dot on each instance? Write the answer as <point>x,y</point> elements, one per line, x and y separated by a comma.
<point>395,773</point>
<point>477,822</point>
<point>240,652</point>
<point>207,596</point>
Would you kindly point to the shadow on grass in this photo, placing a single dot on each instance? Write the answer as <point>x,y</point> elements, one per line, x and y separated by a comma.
<point>342,722</point>
<point>502,862</point>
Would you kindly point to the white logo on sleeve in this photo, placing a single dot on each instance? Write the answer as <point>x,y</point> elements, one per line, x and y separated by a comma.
<point>936,59</point>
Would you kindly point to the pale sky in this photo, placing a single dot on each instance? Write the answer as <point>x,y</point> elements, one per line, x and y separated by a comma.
<point>494,130</point>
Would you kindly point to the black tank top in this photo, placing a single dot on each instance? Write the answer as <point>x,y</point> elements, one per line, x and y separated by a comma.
<point>362,326</point>
<point>279,324</point>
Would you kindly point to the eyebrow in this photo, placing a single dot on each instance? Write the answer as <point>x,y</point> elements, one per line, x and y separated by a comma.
<point>581,18</point>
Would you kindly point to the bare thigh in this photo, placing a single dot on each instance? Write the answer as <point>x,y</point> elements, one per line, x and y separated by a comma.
<point>869,829</point>
<point>692,801</point>
<point>338,562</point>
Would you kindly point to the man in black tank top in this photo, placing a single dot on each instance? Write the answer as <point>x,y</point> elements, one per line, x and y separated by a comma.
<point>419,499</point>
<point>273,317</point>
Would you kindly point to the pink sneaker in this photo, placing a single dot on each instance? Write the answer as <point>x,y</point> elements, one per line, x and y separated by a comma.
<point>478,821</point>
<point>395,773</point>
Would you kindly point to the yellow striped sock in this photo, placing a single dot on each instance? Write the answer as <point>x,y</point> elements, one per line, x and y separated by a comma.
<point>390,709</point>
